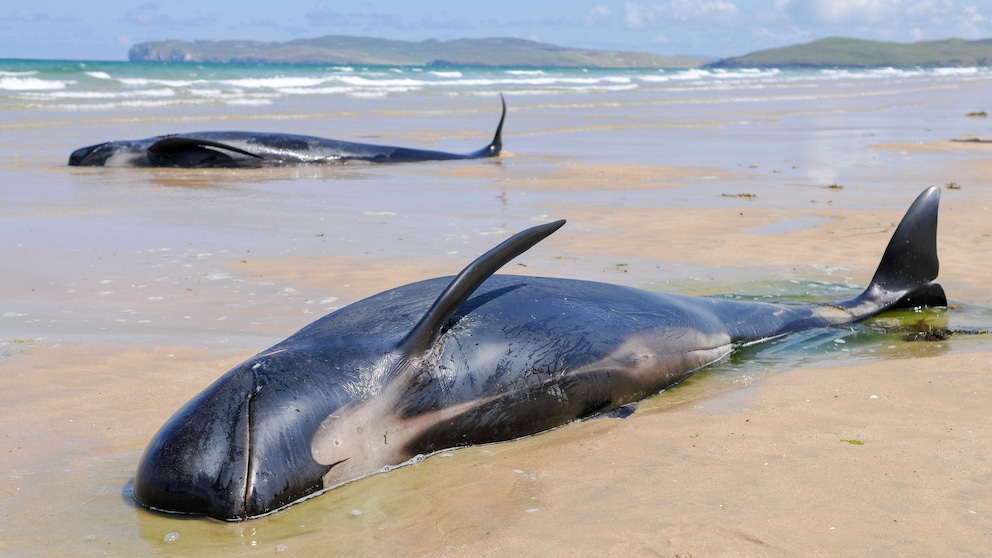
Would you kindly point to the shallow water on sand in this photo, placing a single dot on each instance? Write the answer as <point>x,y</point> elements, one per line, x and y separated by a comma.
<point>126,291</point>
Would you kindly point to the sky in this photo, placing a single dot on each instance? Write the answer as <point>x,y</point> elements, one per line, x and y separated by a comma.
<point>106,29</point>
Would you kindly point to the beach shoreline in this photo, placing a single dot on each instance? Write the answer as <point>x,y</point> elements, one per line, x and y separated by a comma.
<point>127,291</point>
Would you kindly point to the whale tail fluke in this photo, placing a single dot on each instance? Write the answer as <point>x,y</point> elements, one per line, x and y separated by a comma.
<point>495,146</point>
<point>904,278</point>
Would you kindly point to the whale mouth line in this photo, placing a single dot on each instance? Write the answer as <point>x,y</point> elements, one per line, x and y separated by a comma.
<point>249,454</point>
<point>249,485</point>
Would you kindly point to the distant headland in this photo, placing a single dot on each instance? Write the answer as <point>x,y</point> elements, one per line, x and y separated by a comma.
<point>837,52</point>
<point>347,50</point>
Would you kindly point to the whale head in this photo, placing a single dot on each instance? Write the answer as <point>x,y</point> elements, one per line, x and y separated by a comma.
<point>93,155</point>
<point>241,448</point>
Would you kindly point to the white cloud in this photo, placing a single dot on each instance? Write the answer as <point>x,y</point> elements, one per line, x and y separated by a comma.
<point>886,20</point>
<point>839,12</point>
<point>974,24</point>
<point>599,15</point>
<point>637,16</point>
<point>29,17</point>
<point>973,17</point>
<point>843,11</point>
<point>152,15</point>
<point>685,10</point>
<point>148,14</point>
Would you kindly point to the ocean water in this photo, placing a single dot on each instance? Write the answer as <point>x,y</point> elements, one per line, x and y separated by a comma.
<point>106,86</point>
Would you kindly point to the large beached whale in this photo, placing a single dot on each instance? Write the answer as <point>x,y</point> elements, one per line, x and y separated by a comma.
<point>258,149</point>
<point>477,358</point>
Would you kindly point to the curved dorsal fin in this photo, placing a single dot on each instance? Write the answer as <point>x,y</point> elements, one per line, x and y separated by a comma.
<point>428,329</point>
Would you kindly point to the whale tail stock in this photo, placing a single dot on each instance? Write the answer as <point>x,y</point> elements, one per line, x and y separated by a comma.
<point>904,278</point>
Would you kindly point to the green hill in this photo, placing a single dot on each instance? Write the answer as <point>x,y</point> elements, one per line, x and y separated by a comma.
<point>346,50</point>
<point>858,53</point>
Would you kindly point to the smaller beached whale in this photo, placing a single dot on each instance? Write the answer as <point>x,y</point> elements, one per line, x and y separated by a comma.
<point>471,359</point>
<point>258,149</point>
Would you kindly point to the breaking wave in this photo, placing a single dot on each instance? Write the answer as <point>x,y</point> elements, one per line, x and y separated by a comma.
<point>108,85</point>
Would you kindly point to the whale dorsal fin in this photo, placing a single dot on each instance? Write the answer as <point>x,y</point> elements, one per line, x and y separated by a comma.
<point>428,329</point>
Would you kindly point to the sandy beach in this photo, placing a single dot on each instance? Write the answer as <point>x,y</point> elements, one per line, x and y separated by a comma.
<point>126,291</point>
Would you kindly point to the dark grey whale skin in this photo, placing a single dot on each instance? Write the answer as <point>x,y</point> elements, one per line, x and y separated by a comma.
<point>258,149</point>
<point>473,359</point>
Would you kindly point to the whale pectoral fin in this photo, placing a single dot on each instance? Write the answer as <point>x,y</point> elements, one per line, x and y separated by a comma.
<point>621,412</point>
<point>178,151</point>
<point>428,329</point>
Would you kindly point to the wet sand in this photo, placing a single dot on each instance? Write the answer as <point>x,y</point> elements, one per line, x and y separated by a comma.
<point>126,292</point>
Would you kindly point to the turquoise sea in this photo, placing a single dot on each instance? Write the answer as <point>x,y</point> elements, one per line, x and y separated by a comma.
<point>96,86</point>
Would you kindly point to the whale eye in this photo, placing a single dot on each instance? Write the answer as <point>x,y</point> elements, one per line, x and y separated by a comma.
<point>337,442</point>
